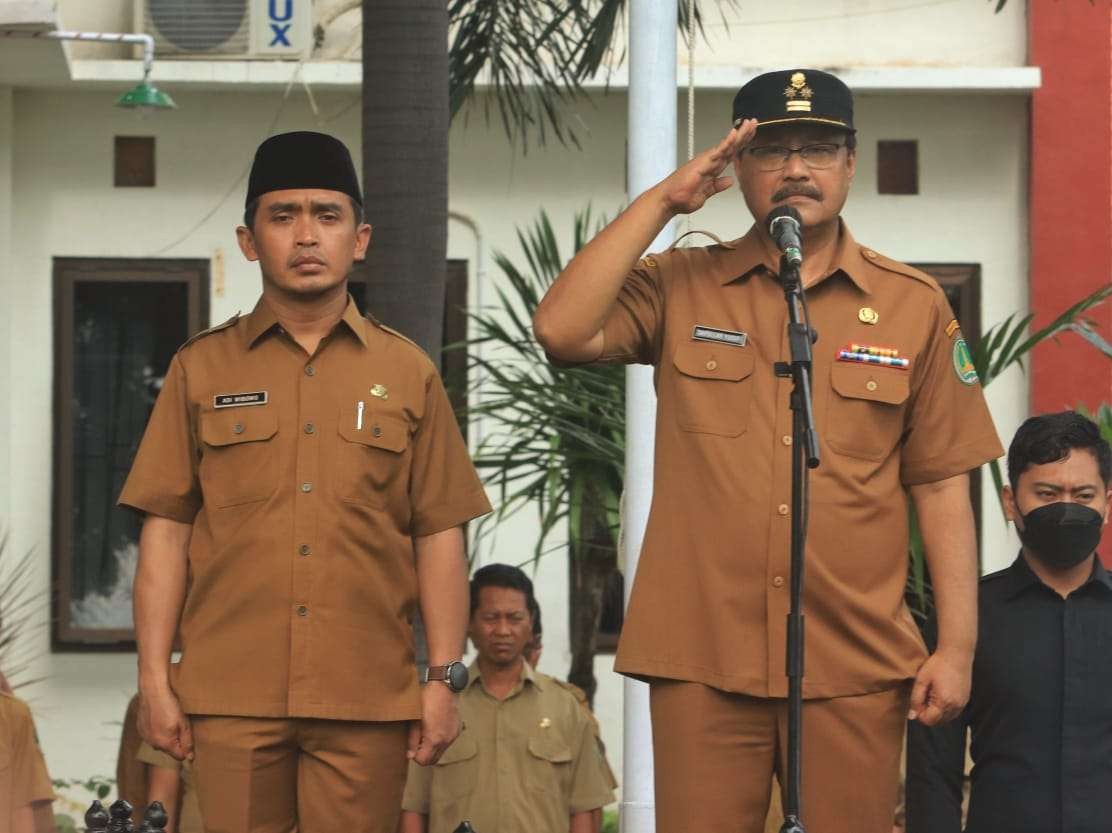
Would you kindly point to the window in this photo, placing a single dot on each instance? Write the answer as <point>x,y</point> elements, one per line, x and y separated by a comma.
<point>117,324</point>
<point>897,167</point>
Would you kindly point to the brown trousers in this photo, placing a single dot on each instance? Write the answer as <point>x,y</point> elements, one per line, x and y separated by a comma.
<point>715,754</point>
<point>275,775</point>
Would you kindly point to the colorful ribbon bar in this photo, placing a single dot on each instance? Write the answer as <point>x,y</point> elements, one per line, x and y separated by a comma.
<point>869,358</point>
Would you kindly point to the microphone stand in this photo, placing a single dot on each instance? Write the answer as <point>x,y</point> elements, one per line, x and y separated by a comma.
<point>805,456</point>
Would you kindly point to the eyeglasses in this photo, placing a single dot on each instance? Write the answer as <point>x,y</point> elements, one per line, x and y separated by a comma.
<point>775,158</point>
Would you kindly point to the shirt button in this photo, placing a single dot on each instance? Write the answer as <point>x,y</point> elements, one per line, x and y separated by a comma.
<point>302,610</point>
<point>237,428</point>
<point>376,431</point>
<point>309,370</point>
<point>778,581</point>
<point>309,428</point>
<point>786,439</point>
<point>304,549</point>
<point>782,509</point>
<point>870,385</point>
<point>712,365</point>
<point>306,487</point>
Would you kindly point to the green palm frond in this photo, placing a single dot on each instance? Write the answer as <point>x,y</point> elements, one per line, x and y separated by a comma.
<point>536,55</point>
<point>554,436</point>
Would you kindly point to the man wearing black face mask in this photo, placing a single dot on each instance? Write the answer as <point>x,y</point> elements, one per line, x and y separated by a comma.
<point>1040,713</point>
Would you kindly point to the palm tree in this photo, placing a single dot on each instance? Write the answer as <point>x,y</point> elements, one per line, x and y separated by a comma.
<point>535,55</point>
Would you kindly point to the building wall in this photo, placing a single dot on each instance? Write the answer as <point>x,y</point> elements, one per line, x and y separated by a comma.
<point>857,33</point>
<point>6,120</point>
<point>973,158</point>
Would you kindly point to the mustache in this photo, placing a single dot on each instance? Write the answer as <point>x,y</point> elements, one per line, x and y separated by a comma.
<point>797,191</point>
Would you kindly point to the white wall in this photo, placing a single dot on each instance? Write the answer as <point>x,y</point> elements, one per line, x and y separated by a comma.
<point>972,152</point>
<point>856,33</point>
<point>6,277</point>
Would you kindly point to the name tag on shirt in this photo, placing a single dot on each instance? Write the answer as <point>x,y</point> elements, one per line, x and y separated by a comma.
<point>732,337</point>
<point>235,400</point>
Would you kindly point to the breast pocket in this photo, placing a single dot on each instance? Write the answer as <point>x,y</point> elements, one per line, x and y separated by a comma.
<point>238,459</point>
<point>713,389</point>
<point>457,771</point>
<point>865,417</point>
<point>372,457</point>
<point>549,765</point>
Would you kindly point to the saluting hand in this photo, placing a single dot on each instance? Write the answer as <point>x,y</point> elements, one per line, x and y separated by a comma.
<point>438,727</point>
<point>691,185</point>
<point>163,724</point>
<point>941,689</point>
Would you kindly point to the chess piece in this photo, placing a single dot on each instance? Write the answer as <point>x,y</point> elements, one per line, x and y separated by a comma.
<point>120,821</point>
<point>96,818</point>
<point>465,827</point>
<point>154,820</point>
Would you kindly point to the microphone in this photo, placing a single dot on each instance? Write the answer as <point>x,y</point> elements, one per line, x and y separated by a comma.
<point>785,228</point>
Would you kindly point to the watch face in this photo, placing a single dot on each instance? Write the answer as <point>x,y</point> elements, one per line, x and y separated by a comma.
<point>457,676</point>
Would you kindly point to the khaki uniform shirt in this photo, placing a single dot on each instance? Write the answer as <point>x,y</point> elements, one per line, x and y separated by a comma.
<point>302,580</point>
<point>23,776</point>
<point>581,698</point>
<point>189,814</point>
<point>526,763</point>
<point>710,600</point>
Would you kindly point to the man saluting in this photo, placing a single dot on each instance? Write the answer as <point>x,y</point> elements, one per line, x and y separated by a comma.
<point>898,413</point>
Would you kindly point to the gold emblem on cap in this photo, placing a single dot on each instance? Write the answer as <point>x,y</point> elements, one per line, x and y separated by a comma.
<point>798,94</point>
<point>380,391</point>
<point>868,315</point>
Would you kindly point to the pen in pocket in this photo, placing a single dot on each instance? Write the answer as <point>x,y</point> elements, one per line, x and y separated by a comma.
<point>359,415</point>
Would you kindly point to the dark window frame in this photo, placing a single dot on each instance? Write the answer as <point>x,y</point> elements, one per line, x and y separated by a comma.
<point>67,272</point>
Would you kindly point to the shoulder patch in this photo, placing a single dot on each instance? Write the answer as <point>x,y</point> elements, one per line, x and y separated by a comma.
<point>223,326</point>
<point>890,265</point>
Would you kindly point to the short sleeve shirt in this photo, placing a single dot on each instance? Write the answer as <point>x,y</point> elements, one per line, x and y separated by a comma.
<point>711,595</point>
<point>23,776</point>
<point>305,479</point>
<point>524,763</point>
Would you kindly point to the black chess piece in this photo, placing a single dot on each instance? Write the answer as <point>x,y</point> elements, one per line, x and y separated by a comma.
<point>96,818</point>
<point>154,820</point>
<point>120,822</point>
<point>465,827</point>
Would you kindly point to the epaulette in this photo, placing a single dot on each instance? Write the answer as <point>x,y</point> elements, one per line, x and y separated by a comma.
<point>394,332</point>
<point>225,325</point>
<point>579,694</point>
<point>889,265</point>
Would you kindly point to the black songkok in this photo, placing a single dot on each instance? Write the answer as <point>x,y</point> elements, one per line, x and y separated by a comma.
<point>302,160</point>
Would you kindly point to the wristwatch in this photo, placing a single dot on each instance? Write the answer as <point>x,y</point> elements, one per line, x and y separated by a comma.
<point>454,675</point>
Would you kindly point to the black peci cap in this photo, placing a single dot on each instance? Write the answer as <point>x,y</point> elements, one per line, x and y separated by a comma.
<point>795,95</point>
<point>302,160</point>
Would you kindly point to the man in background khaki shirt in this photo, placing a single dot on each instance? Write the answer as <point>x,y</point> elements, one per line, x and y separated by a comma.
<point>900,415</point>
<point>527,759</point>
<point>305,484</point>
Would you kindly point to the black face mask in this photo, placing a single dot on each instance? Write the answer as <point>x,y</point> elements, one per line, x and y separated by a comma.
<point>1061,535</point>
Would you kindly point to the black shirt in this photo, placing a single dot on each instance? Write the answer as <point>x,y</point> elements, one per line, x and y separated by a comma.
<point>1040,714</point>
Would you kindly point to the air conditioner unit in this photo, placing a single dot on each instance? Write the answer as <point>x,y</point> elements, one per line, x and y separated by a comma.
<point>227,28</point>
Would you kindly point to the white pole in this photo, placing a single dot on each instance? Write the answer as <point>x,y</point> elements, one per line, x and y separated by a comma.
<point>652,156</point>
